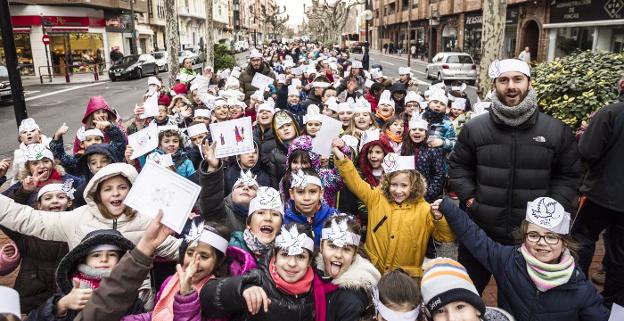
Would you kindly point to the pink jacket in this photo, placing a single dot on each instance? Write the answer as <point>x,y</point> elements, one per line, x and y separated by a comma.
<point>8,261</point>
<point>187,307</point>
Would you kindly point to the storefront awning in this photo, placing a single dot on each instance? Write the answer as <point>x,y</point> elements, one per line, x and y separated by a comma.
<point>600,23</point>
<point>67,29</point>
<point>21,29</point>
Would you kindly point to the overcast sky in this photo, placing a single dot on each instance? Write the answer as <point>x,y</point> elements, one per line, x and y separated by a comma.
<point>294,9</point>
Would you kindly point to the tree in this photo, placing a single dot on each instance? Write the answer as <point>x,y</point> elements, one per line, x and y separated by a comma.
<point>271,16</point>
<point>209,34</point>
<point>172,39</point>
<point>328,19</point>
<point>224,58</point>
<point>494,16</point>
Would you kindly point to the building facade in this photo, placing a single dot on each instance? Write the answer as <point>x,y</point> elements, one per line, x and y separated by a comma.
<point>546,27</point>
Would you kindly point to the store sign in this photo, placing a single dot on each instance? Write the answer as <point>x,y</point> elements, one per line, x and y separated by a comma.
<point>474,21</point>
<point>586,10</point>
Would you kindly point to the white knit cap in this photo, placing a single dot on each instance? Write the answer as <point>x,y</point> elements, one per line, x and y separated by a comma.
<point>267,198</point>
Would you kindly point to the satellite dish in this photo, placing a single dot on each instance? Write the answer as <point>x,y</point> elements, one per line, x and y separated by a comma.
<point>367,15</point>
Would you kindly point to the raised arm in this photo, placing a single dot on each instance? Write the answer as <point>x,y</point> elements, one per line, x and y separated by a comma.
<point>49,226</point>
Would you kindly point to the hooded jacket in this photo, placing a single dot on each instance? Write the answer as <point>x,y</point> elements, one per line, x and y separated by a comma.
<point>214,206</point>
<point>222,297</point>
<point>575,300</point>
<point>324,212</point>
<point>364,164</point>
<point>397,234</point>
<point>351,299</point>
<point>72,226</point>
<point>95,103</point>
<point>69,265</point>
<point>246,77</point>
<point>276,160</point>
<point>503,168</point>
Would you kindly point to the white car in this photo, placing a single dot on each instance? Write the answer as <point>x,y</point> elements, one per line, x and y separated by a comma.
<point>241,46</point>
<point>452,66</point>
<point>183,54</point>
<point>162,60</point>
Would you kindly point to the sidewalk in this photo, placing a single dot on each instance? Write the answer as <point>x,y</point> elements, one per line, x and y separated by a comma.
<point>397,56</point>
<point>82,78</point>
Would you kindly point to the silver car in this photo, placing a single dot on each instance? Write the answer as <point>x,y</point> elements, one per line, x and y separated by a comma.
<point>5,85</point>
<point>162,60</point>
<point>452,66</point>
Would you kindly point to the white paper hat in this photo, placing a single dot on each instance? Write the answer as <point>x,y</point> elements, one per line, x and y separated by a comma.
<point>339,234</point>
<point>417,121</point>
<point>547,213</point>
<point>198,233</point>
<point>82,134</point>
<point>28,125</point>
<point>258,95</point>
<point>202,112</point>
<point>151,80</point>
<point>405,71</point>
<point>246,178</point>
<point>255,54</point>
<point>310,69</point>
<point>267,198</point>
<point>197,129</point>
<point>347,106</point>
<point>36,152</point>
<point>369,83</point>
<point>498,67</point>
<point>293,91</point>
<point>168,127</point>
<point>393,162</point>
<point>412,96</point>
<point>356,64</point>
<point>460,88</point>
<point>66,187</point>
<point>459,103</point>
<point>332,103</point>
<point>293,242</point>
<point>376,73</point>
<point>281,79</point>
<point>207,99</point>
<point>296,71</point>
<point>320,84</point>
<point>386,98</point>
<point>10,302</point>
<point>313,114</point>
<point>369,136</point>
<point>266,106</point>
<point>295,82</point>
<point>220,102</point>
<point>438,86</point>
<point>439,96</point>
<point>362,106</point>
<point>300,179</point>
<point>236,102</point>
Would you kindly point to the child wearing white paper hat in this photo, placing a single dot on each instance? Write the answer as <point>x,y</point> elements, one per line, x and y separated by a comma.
<point>345,112</point>
<point>312,121</point>
<point>362,119</point>
<point>441,131</point>
<point>541,267</point>
<point>330,107</point>
<point>458,114</point>
<point>399,219</point>
<point>385,108</point>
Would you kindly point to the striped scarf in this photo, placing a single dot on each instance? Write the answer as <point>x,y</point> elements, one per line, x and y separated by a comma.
<point>546,276</point>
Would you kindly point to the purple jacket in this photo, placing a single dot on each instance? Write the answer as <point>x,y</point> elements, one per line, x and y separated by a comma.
<point>187,307</point>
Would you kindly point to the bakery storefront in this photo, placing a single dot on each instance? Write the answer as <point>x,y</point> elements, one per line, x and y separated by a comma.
<point>23,50</point>
<point>585,25</point>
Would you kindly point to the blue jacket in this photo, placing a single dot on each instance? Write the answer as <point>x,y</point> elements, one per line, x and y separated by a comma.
<point>319,219</point>
<point>183,165</point>
<point>446,131</point>
<point>575,300</point>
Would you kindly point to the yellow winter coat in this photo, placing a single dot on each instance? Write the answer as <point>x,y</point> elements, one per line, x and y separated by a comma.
<point>397,234</point>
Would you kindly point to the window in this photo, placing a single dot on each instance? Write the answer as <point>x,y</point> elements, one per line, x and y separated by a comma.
<point>459,59</point>
<point>405,5</point>
<point>376,13</point>
<point>573,39</point>
<point>414,3</point>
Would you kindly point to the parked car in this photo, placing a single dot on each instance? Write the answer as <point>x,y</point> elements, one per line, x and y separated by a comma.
<point>162,60</point>
<point>5,85</point>
<point>356,47</point>
<point>183,54</point>
<point>133,66</point>
<point>447,66</point>
<point>241,46</point>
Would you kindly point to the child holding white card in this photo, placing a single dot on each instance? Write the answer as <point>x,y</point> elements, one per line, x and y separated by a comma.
<point>169,143</point>
<point>399,219</point>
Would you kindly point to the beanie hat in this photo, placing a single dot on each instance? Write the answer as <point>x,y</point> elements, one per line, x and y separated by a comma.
<point>446,281</point>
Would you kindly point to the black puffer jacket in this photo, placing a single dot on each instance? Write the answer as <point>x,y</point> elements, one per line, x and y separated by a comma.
<point>246,77</point>
<point>503,168</point>
<point>224,297</point>
<point>266,143</point>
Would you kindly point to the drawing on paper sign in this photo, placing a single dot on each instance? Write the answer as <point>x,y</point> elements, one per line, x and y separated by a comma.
<point>234,137</point>
<point>162,197</point>
<point>143,141</point>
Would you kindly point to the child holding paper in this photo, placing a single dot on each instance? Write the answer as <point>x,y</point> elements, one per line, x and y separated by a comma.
<point>399,219</point>
<point>205,255</point>
<point>35,256</point>
<point>170,143</point>
<point>312,121</point>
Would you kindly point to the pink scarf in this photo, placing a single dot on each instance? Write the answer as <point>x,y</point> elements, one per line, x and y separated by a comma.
<point>163,310</point>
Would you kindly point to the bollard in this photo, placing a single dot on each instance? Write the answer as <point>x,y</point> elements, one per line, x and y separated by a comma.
<point>66,74</point>
<point>95,72</point>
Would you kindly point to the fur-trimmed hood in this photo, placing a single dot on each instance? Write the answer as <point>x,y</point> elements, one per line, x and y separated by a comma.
<point>362,274</point>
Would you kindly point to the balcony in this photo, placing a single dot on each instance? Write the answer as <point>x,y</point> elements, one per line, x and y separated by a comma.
<point>189,13</point>
<point>139,5</point>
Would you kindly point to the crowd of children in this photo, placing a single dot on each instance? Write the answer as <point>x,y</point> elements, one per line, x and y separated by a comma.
<point>280,232</point>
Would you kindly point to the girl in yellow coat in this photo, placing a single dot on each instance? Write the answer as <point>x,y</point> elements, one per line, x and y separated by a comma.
<point>399,219</point>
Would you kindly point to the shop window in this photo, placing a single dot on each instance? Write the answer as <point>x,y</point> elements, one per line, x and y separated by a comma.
<point>617,40</point>
<point>76,52</point>
<point>24,53</point>
<point>574,39</point>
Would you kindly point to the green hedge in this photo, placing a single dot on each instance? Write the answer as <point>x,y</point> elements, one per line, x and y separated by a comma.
<point>572,87</point>
<point>223,57</point>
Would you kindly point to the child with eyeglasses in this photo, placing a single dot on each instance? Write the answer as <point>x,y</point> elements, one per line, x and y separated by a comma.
<point>537,279</point>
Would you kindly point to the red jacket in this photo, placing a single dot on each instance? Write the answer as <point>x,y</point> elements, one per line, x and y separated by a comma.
<point>373,101</point>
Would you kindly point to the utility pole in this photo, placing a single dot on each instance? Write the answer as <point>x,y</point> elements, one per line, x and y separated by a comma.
<point>367,7</point>
<point>172,38</point>
<point>492,36</point>
<point>17,91</point>
<point>209,34</point>
<point>133,47</point>
<point>409,34</point>
<point>44,23</point>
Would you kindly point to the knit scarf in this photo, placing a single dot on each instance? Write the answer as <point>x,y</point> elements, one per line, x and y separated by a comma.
<point>163,310</point>
<point>300,287</point>
<point>393,137</point>
<point>240,210</point>
<point>321,289</point>
<point>516,115</point>
<point>546,276</point>
<point>380,116</point>
<point>55,176</point>
<point>89,277</point>
<point>433,116</point>
<point>254,244</point>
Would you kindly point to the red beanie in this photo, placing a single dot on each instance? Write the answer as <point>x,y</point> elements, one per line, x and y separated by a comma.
<point>180,89</point>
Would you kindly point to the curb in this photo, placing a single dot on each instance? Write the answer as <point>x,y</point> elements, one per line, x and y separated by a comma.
<point>56,84</point>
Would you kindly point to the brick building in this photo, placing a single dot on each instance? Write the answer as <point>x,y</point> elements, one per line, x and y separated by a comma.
<point>551,28</point>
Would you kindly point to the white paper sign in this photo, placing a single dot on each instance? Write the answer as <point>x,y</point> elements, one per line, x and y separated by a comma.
<point>261,81</point>
<point>143,141</point>
<point>617,313</point>
<point>157,188</point>
<point>233,137</point>
<point>150,106</point>
<point>330,129</point>
<point>164,160</point>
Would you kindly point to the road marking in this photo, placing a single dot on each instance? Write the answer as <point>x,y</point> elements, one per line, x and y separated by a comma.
<point>389,63</point>
<point>64,90</point>
<point>30,92</point>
